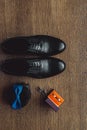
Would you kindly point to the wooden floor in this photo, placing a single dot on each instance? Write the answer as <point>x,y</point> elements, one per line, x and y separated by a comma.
<point>65,19</point>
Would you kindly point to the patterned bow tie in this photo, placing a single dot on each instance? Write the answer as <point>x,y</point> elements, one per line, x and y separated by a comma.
<point>17,102</point>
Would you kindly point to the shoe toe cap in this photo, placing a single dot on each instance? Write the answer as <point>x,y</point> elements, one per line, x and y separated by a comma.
<point>59,66</point>
<point>62,46</point>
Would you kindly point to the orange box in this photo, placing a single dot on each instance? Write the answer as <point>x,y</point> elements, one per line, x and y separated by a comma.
<point>55,98</point>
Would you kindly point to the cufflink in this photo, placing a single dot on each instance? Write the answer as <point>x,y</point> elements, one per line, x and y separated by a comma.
<point>52,98</point>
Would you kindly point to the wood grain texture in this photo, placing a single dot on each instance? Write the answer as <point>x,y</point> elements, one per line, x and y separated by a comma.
<point>65,19</point>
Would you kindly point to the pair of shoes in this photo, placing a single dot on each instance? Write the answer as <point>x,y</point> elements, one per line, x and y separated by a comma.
<point>40,45</point>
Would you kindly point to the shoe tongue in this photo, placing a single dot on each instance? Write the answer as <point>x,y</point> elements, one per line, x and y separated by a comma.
<point>45,47</point>
<point>44,66</point>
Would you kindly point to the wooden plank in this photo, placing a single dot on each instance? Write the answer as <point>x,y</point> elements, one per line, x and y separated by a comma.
<point>64,19</point>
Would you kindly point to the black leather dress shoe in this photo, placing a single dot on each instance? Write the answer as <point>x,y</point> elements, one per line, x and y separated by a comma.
<point>36,68</point>
<point>39,44</point>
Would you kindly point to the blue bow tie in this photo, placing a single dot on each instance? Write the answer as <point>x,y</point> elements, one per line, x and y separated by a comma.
<point>17,102</point>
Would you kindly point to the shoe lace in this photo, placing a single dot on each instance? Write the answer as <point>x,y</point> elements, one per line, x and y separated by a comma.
<point>34,66</point>
<point>36,47</point>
